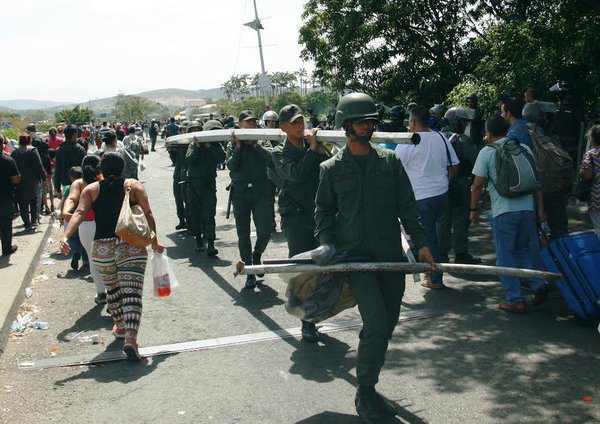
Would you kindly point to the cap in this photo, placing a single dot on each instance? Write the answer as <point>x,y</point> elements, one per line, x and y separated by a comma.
<point>290,113</point>
<point>246,115</point>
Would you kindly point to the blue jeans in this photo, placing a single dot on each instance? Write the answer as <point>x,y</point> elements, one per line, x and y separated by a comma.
<point>431,210</point>
<point>515,236</point>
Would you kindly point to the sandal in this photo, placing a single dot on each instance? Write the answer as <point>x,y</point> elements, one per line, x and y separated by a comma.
<point>131,350</point>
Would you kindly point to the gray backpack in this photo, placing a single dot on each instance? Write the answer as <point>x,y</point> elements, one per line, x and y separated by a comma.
<point>516,172</point>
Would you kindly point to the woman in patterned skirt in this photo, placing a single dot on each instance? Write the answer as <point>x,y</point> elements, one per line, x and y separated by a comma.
<point>590,171</point>
<point>121,265</point>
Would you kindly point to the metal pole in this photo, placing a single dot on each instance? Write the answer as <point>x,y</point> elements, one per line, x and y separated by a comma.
<point>262,60</point>
<point>242,269</point>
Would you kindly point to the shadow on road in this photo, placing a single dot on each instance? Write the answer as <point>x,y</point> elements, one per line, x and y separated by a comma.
<point>329,417</point>
<point>91,320</point>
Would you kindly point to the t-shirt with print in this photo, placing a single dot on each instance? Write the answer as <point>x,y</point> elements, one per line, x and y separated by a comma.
<point>8,169</point>
<point>485,166</point>
<point>591,160</point>
<point>427,164</point>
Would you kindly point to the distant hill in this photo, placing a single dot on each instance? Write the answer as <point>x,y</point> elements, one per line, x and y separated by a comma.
<point>170,97</point>
<point>29,104</point>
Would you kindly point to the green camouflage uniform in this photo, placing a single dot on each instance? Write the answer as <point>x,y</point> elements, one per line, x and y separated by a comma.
<point>358,203</point>
<point>202,162</point>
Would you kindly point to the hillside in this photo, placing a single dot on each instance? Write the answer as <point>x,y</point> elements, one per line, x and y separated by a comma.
<point>30,104</point>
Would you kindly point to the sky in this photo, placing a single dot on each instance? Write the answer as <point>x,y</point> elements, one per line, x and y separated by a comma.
<point>80,50</point>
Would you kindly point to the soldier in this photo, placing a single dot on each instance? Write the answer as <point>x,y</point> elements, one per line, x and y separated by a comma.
<point>437,115</point>
<point>475,129</point>
<point>202,160</point>
<point>251,195</point>
<point>298,161</point>
<point>177,154</point>
<point>153,132</point>
<point>362,193</point>
<point>454,225</point>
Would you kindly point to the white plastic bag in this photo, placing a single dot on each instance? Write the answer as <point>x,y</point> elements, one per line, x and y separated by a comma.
<point>162,275</point>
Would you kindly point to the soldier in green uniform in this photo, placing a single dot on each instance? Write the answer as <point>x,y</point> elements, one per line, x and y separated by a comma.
<point>362,192</point>
<point>177,154</point>
<point>453,226</point>
<point>475,129</point>
<point>298,160</point>
<point>202,160</point>
<point>251,195</point>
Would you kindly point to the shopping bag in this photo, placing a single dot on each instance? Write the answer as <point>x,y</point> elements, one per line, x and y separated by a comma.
<point>162,275</point>
<point>132,225</point>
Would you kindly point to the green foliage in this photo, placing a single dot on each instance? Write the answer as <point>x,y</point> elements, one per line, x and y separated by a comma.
<point>487,94</point>
<point>73,116</point>
<point>131,108</point>
<point>12,132</point>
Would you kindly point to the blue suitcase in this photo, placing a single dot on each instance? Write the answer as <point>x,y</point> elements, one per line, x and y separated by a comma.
<point>577,258</point>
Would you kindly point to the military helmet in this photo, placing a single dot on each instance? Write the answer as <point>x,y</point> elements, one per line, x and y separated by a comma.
<point>355,107</point>
<point>455,113</point>
<point>472,96</point>
<point>438,109</point>
<point>193,124</point>
<point>213,124</point>
<point>270,115</point>
<point>397,112</point>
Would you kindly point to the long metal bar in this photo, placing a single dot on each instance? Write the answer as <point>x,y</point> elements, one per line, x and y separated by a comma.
<point>323,136</point>
<point>242,269</point>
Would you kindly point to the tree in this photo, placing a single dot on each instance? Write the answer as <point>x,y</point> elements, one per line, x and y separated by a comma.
<point>392,49</point>
<point>237,87</point>
<point>38,115</point>
<point>73,116</point>
<point>134,108</point>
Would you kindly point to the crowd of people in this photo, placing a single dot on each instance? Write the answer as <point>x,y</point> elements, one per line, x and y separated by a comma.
<point>358,200</point>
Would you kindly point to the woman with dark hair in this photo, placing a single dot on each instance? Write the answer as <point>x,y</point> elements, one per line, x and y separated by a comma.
<point>590,171</point>
<point>32,172</point>
<point>121,265</point>
<point>91,173</point>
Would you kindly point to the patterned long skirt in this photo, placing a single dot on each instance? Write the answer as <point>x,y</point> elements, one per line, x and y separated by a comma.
<point>122,268</point>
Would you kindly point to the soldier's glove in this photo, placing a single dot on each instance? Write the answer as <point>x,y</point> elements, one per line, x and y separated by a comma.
<point>325,255</point>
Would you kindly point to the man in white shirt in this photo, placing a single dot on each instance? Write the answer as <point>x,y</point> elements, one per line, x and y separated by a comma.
<point>429,166</point>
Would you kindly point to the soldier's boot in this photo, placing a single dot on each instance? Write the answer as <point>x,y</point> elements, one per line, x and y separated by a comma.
<point>372,406</point>
<point>200,244</point>
<point>210,249</point>
<point>250,282</point>
<point>309,332</point>
<point>257,261</point>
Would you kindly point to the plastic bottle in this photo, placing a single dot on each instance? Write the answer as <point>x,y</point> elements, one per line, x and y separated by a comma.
<point>164,291</point>
<point>40,325</point>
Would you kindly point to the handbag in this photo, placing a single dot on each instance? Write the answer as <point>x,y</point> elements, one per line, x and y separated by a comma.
<point>583,189</point>
<point>454,191</point>
<point>132,225</point>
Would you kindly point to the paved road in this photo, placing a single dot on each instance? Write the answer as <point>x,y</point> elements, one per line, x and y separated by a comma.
<point>471,364</point>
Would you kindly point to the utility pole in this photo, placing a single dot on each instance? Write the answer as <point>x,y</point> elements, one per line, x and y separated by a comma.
<point>264,81</point>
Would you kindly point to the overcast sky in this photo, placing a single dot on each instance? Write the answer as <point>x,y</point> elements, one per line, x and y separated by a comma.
<point>76,50</point>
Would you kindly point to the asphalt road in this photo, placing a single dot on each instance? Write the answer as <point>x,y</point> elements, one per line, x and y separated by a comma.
<point>471,364</point>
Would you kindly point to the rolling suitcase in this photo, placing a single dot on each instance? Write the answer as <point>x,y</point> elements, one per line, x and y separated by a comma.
<point>577,258</point>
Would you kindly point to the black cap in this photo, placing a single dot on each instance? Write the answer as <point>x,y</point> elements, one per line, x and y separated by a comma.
<point>290,113</point>
<point>246,115</point>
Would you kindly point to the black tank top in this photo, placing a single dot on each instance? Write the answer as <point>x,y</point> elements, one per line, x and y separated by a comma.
<point>108,206</point>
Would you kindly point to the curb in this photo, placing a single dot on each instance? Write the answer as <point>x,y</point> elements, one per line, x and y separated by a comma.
<point>15,294</point>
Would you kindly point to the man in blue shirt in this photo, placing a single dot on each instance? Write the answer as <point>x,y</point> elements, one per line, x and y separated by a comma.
<point>511,111</point>
<point>172,128</point>
<point>513,222</point>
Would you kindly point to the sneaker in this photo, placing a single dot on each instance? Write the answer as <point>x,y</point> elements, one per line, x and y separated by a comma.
<point>516,308</point>
<point>75,261</point>
<point>541,295</point>
<point>257,261</point>
<point>12,250</point>
<point>250,282</point>
<point>131,349</point>
<point>100,299</point>
<point>309,332</point>
<point>467,259</point>
<point>427,283</point>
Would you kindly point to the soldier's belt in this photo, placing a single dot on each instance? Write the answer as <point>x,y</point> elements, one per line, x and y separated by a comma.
<point>323,136</point>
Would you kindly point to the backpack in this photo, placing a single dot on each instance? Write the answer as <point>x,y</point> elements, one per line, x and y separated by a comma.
<point>516,171</point>
<point>554,165</point>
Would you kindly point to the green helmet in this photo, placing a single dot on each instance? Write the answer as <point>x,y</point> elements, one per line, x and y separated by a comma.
<point>213,124</point>
<point>355,107</point>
